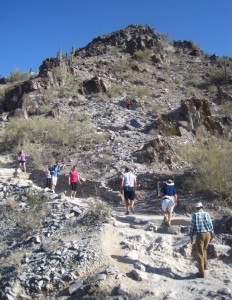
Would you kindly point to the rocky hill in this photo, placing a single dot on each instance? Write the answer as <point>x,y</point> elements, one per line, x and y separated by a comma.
<point>73,110</point>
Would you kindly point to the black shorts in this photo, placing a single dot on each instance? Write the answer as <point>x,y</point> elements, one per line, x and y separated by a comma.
<point>129,195</point>
<point>74,186</point>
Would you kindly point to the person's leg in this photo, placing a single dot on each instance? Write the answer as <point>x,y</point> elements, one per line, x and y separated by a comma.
<point>171,205</point>
<point>24,166</point>
<point>54,181</point>
<point>132,203</point>
<point>200,252</point>
<point>164,208</point>
<point>206,243</point>
<point>75,190</point>
<point>132,200</point>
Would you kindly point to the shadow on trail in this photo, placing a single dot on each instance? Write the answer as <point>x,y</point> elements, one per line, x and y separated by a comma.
<point>166,272</point>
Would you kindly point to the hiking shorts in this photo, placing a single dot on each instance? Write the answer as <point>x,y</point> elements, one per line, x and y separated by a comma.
<point>168,204</point>
<point>129,195</point>
<point>74,186</point>
<point>54,180</point>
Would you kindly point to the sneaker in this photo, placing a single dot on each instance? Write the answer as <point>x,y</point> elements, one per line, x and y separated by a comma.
<point>165,220</point>
<point>127,213</point>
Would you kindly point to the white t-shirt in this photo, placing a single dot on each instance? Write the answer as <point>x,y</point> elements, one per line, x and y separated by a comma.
<point>128,179</point>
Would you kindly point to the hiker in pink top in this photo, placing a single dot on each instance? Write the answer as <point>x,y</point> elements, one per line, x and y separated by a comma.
<point>73,179</point>
<point>22,160</point>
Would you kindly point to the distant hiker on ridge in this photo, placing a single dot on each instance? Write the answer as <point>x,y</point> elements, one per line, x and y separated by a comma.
<point>128,103</point>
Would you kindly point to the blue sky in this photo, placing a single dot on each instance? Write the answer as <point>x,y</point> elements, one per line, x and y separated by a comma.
<point>33,30</point>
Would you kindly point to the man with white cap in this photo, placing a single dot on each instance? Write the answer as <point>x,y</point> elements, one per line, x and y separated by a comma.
<point>201,225</point>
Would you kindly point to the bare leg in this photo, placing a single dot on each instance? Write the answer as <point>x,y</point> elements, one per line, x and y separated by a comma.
<point>132,203</point>
<point>127,205</point>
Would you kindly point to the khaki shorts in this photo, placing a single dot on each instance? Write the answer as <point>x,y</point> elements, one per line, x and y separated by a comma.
<point>54,180</point>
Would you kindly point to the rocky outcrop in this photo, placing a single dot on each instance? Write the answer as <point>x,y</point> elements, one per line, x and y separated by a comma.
<point>95,85</point>
<point>157,150</point>
<point>193,117</point>
<point>188,47</point>
<point>129,39</point>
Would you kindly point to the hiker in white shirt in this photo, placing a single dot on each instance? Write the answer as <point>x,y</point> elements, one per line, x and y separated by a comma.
<point>127,187</point>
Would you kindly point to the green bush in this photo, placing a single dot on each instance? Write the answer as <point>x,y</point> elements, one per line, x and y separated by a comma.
<point>143,56</point>
<point>220,77</point>
<point>172,131</point>
<point>226,108</point>
<point>115,90</point>
<point>212,160</point>
<point>123,65</point>
<point>139,92</point>
<point>38,136</point>
<point>17,75</point>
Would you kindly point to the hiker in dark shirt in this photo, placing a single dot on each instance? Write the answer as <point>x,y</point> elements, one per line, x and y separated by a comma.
<point>169,200</point>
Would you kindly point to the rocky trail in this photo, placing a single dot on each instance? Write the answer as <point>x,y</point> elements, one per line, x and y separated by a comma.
<point>83,249</point>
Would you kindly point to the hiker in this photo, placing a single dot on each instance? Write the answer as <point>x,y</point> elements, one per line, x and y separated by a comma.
<point>73,179</point>
<point>169,200</point>
<point>22,160</point>
<point>127,187</point>
<point>48,176</point>
<point>127,103</point>
<point>201,225</point>
<point>55,170</point>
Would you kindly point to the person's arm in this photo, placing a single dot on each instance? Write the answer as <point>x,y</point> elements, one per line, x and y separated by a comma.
<point>78,178</point>
<point>191,232</point>
<point>210,225</point>
<point>121,185</point>
<point>69,178</point>
<point>175,198</point>
<point>135,184</point>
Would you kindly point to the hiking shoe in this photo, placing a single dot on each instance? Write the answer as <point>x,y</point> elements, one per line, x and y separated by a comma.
<point>127,213</point>
<point>168,224</point>
<point>164,220</point>
<point>132,210</point>
<point>200,275</point>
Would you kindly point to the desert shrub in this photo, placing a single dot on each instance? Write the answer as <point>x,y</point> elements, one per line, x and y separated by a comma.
<point>68,85</point>
<point>102,209</point>
<point>139,91</point>
<point>212,88</point>
<point>212,161</point>
<point>17,75</point>
<point>123,65</point>
<point>29,220</point>
<point>172,131</point>
<point>2,92</point>
<point>220,77</point>
<point>115,90</point>
<point>226,108</point>
<point>38,134</point>
<point>143,56</point>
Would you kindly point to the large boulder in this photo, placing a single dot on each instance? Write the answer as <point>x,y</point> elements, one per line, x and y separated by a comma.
<point>95,85</point>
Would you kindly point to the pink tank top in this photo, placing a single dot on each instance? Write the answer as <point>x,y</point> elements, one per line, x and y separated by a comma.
<point>74,176</point>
